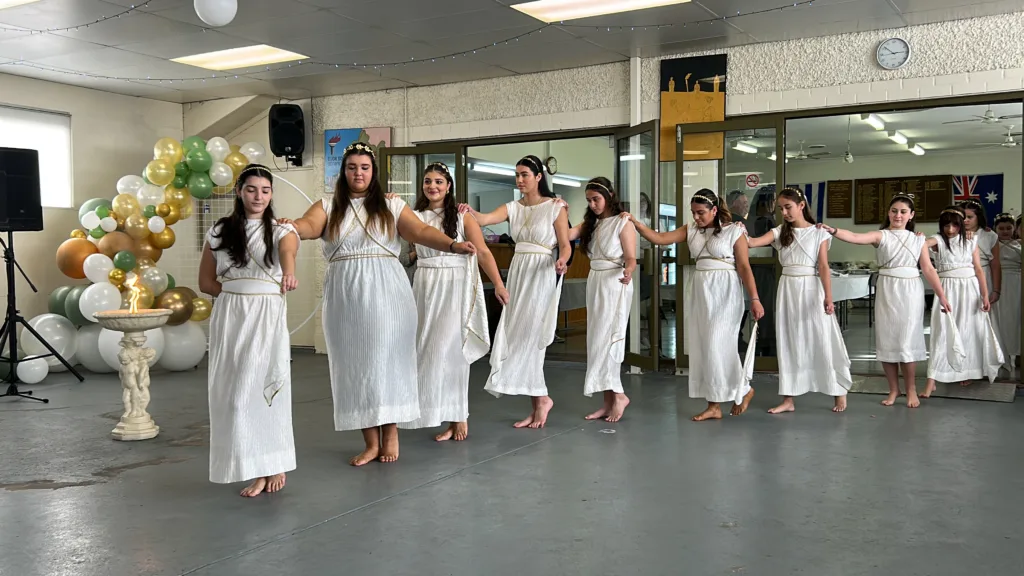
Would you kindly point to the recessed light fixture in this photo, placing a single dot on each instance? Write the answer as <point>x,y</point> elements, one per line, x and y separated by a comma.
<point>744,147</point>
<point>897,137</point>
<point>558,10</point>
<point>874,121</point>
<point>13,3</point>
<point>234,58</point>
<point>631,157</point>
<point>916,150</point>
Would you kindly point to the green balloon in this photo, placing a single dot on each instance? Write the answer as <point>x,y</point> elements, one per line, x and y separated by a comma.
<point>92,205</point>
<point>180,181</point>
<point>97,232</point>
<point>193,143</point>
<point>149,211</point>
<point>144,178</point>
<point>103,211</point>
<point>200,185</point>
<point>124,260</point>
<point>170,282</point>
<point>181,169</point>
<point>71,310</point>
<point>199,160</point>
<point>57,298</point>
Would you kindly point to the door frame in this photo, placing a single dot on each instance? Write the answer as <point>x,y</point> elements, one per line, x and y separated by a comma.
<point>457,149</point>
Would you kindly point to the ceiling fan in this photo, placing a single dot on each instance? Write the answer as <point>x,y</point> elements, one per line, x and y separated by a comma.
<point>988,118</point>
<point>801,155</point>
<point>1012,139</point>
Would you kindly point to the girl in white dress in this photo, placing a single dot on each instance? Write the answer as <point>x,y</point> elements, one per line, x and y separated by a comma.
<point>714,305</point>
<point>976,223</point>
<point>249,377</point>
<point>538,225</point>
<point>899,294</point>
<point>453,331</point>
<point>963,345</point>
<point>812,353</point>
<point>610,243</point>
<point>1006,311</point>
<point>369,311</point>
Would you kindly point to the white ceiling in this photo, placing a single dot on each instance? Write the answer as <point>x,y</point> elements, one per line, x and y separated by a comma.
<point>139,44</point>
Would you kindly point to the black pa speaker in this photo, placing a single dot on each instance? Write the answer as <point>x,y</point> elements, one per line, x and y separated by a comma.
<point>287,130</point>
<point>20,206</point>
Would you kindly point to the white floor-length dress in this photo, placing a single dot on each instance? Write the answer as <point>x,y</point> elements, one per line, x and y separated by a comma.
<point>608,302</point>
<point>899,299</point>
<point>453,331</point>
<point>527,325</point>
<point>714,310</point>
<point>1006,311</point>
<point>249,376</point>
<point>963,344</point>
<point>369,318</point>
<point>812,353</point>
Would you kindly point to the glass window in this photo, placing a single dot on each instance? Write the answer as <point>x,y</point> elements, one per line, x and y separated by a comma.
<point>49,133</point>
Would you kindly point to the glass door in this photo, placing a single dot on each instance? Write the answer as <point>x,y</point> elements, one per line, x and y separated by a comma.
<point>402,169</point>
<point>636,179</point>
<point>738,162</point>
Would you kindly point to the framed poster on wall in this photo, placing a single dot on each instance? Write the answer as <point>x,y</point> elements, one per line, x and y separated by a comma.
<point>335,142</point>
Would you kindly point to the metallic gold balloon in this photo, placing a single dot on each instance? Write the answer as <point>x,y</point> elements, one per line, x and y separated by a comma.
<point>146,297</point>
<point>173,215</point>
<point>144,262</point>
<point>163,210</point>
<point>125,205</point>
<point>168,149</point>
<point>185,289</point>
<point>160,172</point>
<point>178,303</point>
<point>114,242</point>
<point>163,240</point>
<point>201,309</point>
<point>71,256</point>
<point>177,197</point>
<point>185,212</point>
<point>235,148</point>
<point>136,226</point>
<point>144,249</point>
<point>117,277</point>
<point>237,162</point>
<point>78,233</point>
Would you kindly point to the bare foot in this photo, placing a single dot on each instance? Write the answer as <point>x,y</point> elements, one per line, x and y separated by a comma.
<point>712,412</point>
<point>447,434</point>
<point>741,408</point>
<point>255,489</point>
<point>389,443</point>
<point>599,414</point>
<point>929,389</point>
<point>786,406</point>
<point>366,456</point>
<point>965,383</point>
<point>275,482</point>
<point>461,430</point>
<point>912,400</point>
<point>540,413</point>
<point>890,399</point>
<point>524,422</point>
<point>618,407</point>
<point>840,404</point>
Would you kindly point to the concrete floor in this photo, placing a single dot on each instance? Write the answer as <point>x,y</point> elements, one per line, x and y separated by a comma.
<point>934,491</point>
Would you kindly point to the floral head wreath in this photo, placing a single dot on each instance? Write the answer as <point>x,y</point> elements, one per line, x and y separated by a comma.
<point>799,193</point>
<point>705,197</point>
<point>360,148</point>
<point>903,196</point>
<point>1004,217</point>
<point>251,170</point>
<point>438,166</point>
<point>972,203</point>
<point>529,162</point>
<point>594,184</point>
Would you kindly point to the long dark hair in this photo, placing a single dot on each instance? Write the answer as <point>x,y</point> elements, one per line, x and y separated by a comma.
<point>232,233</point>
<point>612,205</point>
<point>952,215</point>
<point>536,167</point>
<point>906,199</point>
<point>708,198</point>
<point>376,205</point>
<point>786,234</point>
<point>979,212</point>
<point>450,221</point>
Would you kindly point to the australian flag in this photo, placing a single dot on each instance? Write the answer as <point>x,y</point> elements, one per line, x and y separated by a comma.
<point>815,194</point>
<point>986,189</point>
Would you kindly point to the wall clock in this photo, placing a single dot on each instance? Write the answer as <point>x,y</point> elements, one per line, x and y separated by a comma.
<point>893,54</point>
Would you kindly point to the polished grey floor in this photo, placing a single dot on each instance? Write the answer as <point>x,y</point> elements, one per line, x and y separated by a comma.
<point>933,491</point>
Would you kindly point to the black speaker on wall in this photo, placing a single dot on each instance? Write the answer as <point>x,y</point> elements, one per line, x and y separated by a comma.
<point>20,206</point>
<point>287,132</point>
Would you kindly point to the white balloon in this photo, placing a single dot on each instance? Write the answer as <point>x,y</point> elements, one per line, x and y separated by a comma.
<point>99,298</point>
<point>33,371</point>
<point>216,12</point>
<point>95,241</point>
<point>221,174</point>
<point>108,224</point>
<point>253,151</point>
<point>184,346</point>
<point>150,195</point>
<point>90,220</point>
<point>110,345</point>
<point>218,149</point>
<point>130,184</point>
<point>97,268</point>
<point>56,330</point>
<point>157,224</point>
<point>88,353</point>
<point>56,366</point>
<point>155,279</point>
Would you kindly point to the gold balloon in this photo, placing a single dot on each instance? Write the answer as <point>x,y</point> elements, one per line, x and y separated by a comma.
<point>168,149</point>
<point>235,148</point>
<point>163,210</point>
<point>71,256</point>
<point>118,219</point>
<point>145,250</point>
<point>125,205</point>
<point>114,242</point>
<point>163,240</point>
<point>143,263</point>
<point>201,309</point>
<point>146,297</point>
<point>185,212</point>
<point>117,277</point>
<point>77,233</point>
<point>136,226</point>
<point>174,214</point>
<point>186,290</point>
<point>178,303</point>
<point>160,172</point>
<point>237,162</point>
<point>176,197</point>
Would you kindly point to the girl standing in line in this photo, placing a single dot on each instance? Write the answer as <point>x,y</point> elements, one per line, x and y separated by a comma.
<point>976,224</point>
<point>714,305</point>
<point>963,344</point>
<point>250,374</point>
<point>812,354</point>
<point>899,294</point>
<point>453,331</point>
<point>1006,311</point>
<point>538,225</point>
<point>369,312</point>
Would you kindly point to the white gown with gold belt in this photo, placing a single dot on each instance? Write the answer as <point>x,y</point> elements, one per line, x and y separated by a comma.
<point>608,302</point>
<point>527,325</point>
<point>453,330</point>
<point>249,377</point>
<point>369,319</point>
<point>899,299</point>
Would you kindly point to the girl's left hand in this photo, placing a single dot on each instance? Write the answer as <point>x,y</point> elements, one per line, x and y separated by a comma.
<point>391,195</point>
<point>756,310</point>
<point>985,304</point>
<point>288,283</point>
<point>946,308</point>
<point>502,295</point>
<point>830,307</point>
<point>627,276</point>
<point>993,297</point>
<point>560,267</point>
<point>561,203</point>
<point>464,248</point>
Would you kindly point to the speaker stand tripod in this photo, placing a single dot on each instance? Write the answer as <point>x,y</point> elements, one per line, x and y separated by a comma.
<point>9,332</point>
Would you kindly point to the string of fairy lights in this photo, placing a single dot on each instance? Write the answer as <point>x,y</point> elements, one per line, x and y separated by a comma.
<point>374,66</point>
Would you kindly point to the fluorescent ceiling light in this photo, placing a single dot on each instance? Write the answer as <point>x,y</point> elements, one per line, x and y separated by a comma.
<point>629,157</point>
<point>13,3</point>
<point>897,137</point>
<point>916,150</point>
<point>874,121</point>
<point>493,170</point>
<point>695,152</point>
<point>566,182</point>
<point>744,147</point>
<point>742,173</point>
<point>402,182</point>
<point>691,173</point>
<point>235,58</point>
<point>773,157</point>
<point>558,10</point>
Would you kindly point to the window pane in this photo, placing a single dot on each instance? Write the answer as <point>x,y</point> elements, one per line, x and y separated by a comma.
<point>49,134</point>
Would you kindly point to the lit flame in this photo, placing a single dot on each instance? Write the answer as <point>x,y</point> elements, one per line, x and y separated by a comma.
<point>133,301</point>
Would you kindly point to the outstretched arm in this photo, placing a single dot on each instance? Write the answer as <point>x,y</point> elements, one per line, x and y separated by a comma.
<point>312,223</point>
<point>929,273</point>
<point>873,238</point>
<point>490,219</point>
<point>742,254</point>
<point>762,240</point>
<point>574,232</point>
<point>416,231</point>
<point>485,258</point>
<point>657,238</point>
